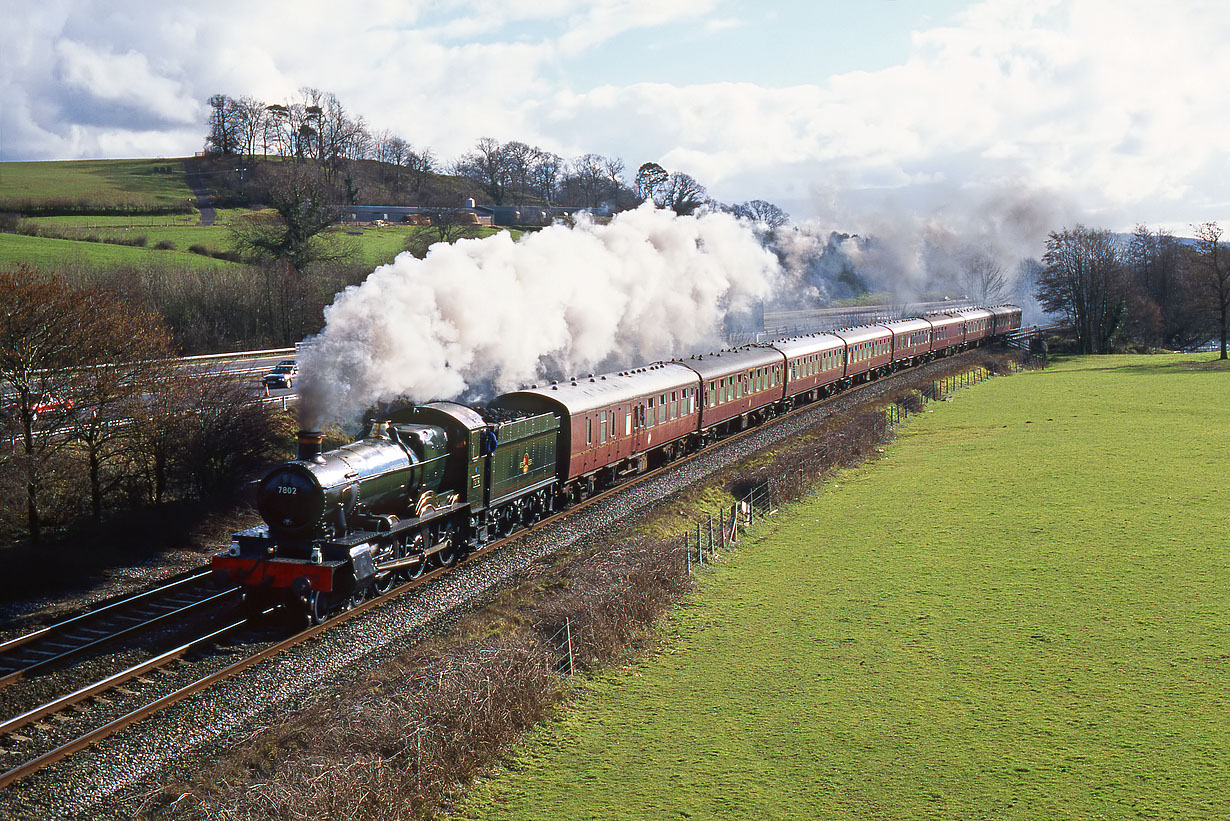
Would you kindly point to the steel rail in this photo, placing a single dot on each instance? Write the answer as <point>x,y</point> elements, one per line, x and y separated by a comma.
<point>99,733</point>
<point>143,624</point>
<point>89,614</point>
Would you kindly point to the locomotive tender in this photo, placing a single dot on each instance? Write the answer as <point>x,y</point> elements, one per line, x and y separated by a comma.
<point>431,482</point>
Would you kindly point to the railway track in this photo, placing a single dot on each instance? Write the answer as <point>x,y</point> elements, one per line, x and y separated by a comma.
<point>67,708</point>
<point>58,643</point>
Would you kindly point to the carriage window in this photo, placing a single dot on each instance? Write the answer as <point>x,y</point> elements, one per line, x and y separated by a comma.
<point>628,425</point>
<point>691,402</point>
<point>589,430</point>
<point>602,427</point>
<point>674,405</point>
<point>649,414</point>
<point>662,409</point>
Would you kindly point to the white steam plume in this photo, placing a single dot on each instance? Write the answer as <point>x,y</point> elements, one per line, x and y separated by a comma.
<point>496,314</point>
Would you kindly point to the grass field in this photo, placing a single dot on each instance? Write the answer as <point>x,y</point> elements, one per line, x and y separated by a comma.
<point>374,246</point>
<point>1019,612</point>
<point>149,183</point>
<point>46,252</point>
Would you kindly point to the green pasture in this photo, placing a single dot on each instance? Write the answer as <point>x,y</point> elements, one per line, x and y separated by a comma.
<point>1019,612</point>
<point>145,183</point>
<point>373,246</point>
<point>179,232</point>
<point>45,252</point>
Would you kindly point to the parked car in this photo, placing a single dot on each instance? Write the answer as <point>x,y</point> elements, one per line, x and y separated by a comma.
<point>282,376</point>
<point>40,405</point>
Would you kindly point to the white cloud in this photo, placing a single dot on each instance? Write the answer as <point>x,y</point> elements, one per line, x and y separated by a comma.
<point>1115,103</point>
<point>124,78</point>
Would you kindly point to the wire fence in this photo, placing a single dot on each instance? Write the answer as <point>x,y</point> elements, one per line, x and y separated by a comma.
<point>718,532</point>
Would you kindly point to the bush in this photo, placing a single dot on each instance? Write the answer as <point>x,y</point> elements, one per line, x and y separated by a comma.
<point>911,401</point>
<point>164,245</point>
<point>412,730</point>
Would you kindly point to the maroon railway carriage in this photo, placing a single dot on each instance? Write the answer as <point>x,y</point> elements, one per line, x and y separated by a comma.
<point>869,350</point>
<point>911,341</point>
<point>947,332</point>
<point>739,386</point>
<point>815,364</point>
<point>977,324</point>
<point>1004,319</point>
<point>612,424</point>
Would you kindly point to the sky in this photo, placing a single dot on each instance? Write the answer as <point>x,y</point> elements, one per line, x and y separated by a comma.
<point>1106,112</point>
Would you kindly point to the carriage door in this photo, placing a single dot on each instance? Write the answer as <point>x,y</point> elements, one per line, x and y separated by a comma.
<point>636,417</point>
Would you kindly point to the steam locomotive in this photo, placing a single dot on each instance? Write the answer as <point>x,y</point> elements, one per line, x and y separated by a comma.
<point>429,483</point>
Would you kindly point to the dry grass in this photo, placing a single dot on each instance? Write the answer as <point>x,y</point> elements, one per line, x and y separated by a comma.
<point>401,743</point>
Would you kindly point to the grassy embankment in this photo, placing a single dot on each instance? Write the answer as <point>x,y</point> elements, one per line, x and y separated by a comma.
<point>133,185</point>
<point>1018,612</point>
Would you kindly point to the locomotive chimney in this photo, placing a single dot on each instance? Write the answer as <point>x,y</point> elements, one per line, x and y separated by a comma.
<point>309,445</point>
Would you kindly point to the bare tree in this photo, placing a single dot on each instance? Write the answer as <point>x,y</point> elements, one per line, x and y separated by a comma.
<point>1083,281</point>
<point>763,212</point>
<point>421,165</point>
<point>222,436</point>
<point>487,165</point>
<point>277,129</point>
<point>649,178</point>
<point>251,116</point>
<point>545,171</point>
<point>79,363</point>
<point>1213,276</point>
<point>982,278</point>
<point>125,358</point>
<point>224,126</point>
<point>586,182</point>
<point>519,165</point>
<point>305,207</point>
<point>681,193</point>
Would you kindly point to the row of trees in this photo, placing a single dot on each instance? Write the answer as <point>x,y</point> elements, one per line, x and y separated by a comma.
<point>100,417</point>
<point>1155,290</point>
<point>316,127</point>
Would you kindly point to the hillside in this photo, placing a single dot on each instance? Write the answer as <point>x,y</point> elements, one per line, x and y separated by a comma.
<point>112,186</point>
<point>105,213</point>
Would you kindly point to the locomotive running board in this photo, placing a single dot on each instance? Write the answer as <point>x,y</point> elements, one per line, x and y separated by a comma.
<point>409,560</point>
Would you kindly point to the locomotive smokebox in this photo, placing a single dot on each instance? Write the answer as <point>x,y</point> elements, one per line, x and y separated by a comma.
<point>309,445</point>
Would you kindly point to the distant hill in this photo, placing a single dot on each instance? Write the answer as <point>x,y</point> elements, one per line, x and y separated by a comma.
<point>111,187</point>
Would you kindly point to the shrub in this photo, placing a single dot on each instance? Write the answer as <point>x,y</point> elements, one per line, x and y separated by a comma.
<point>911,401</point>
<point>164,245</point>
<point>198,248</point>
